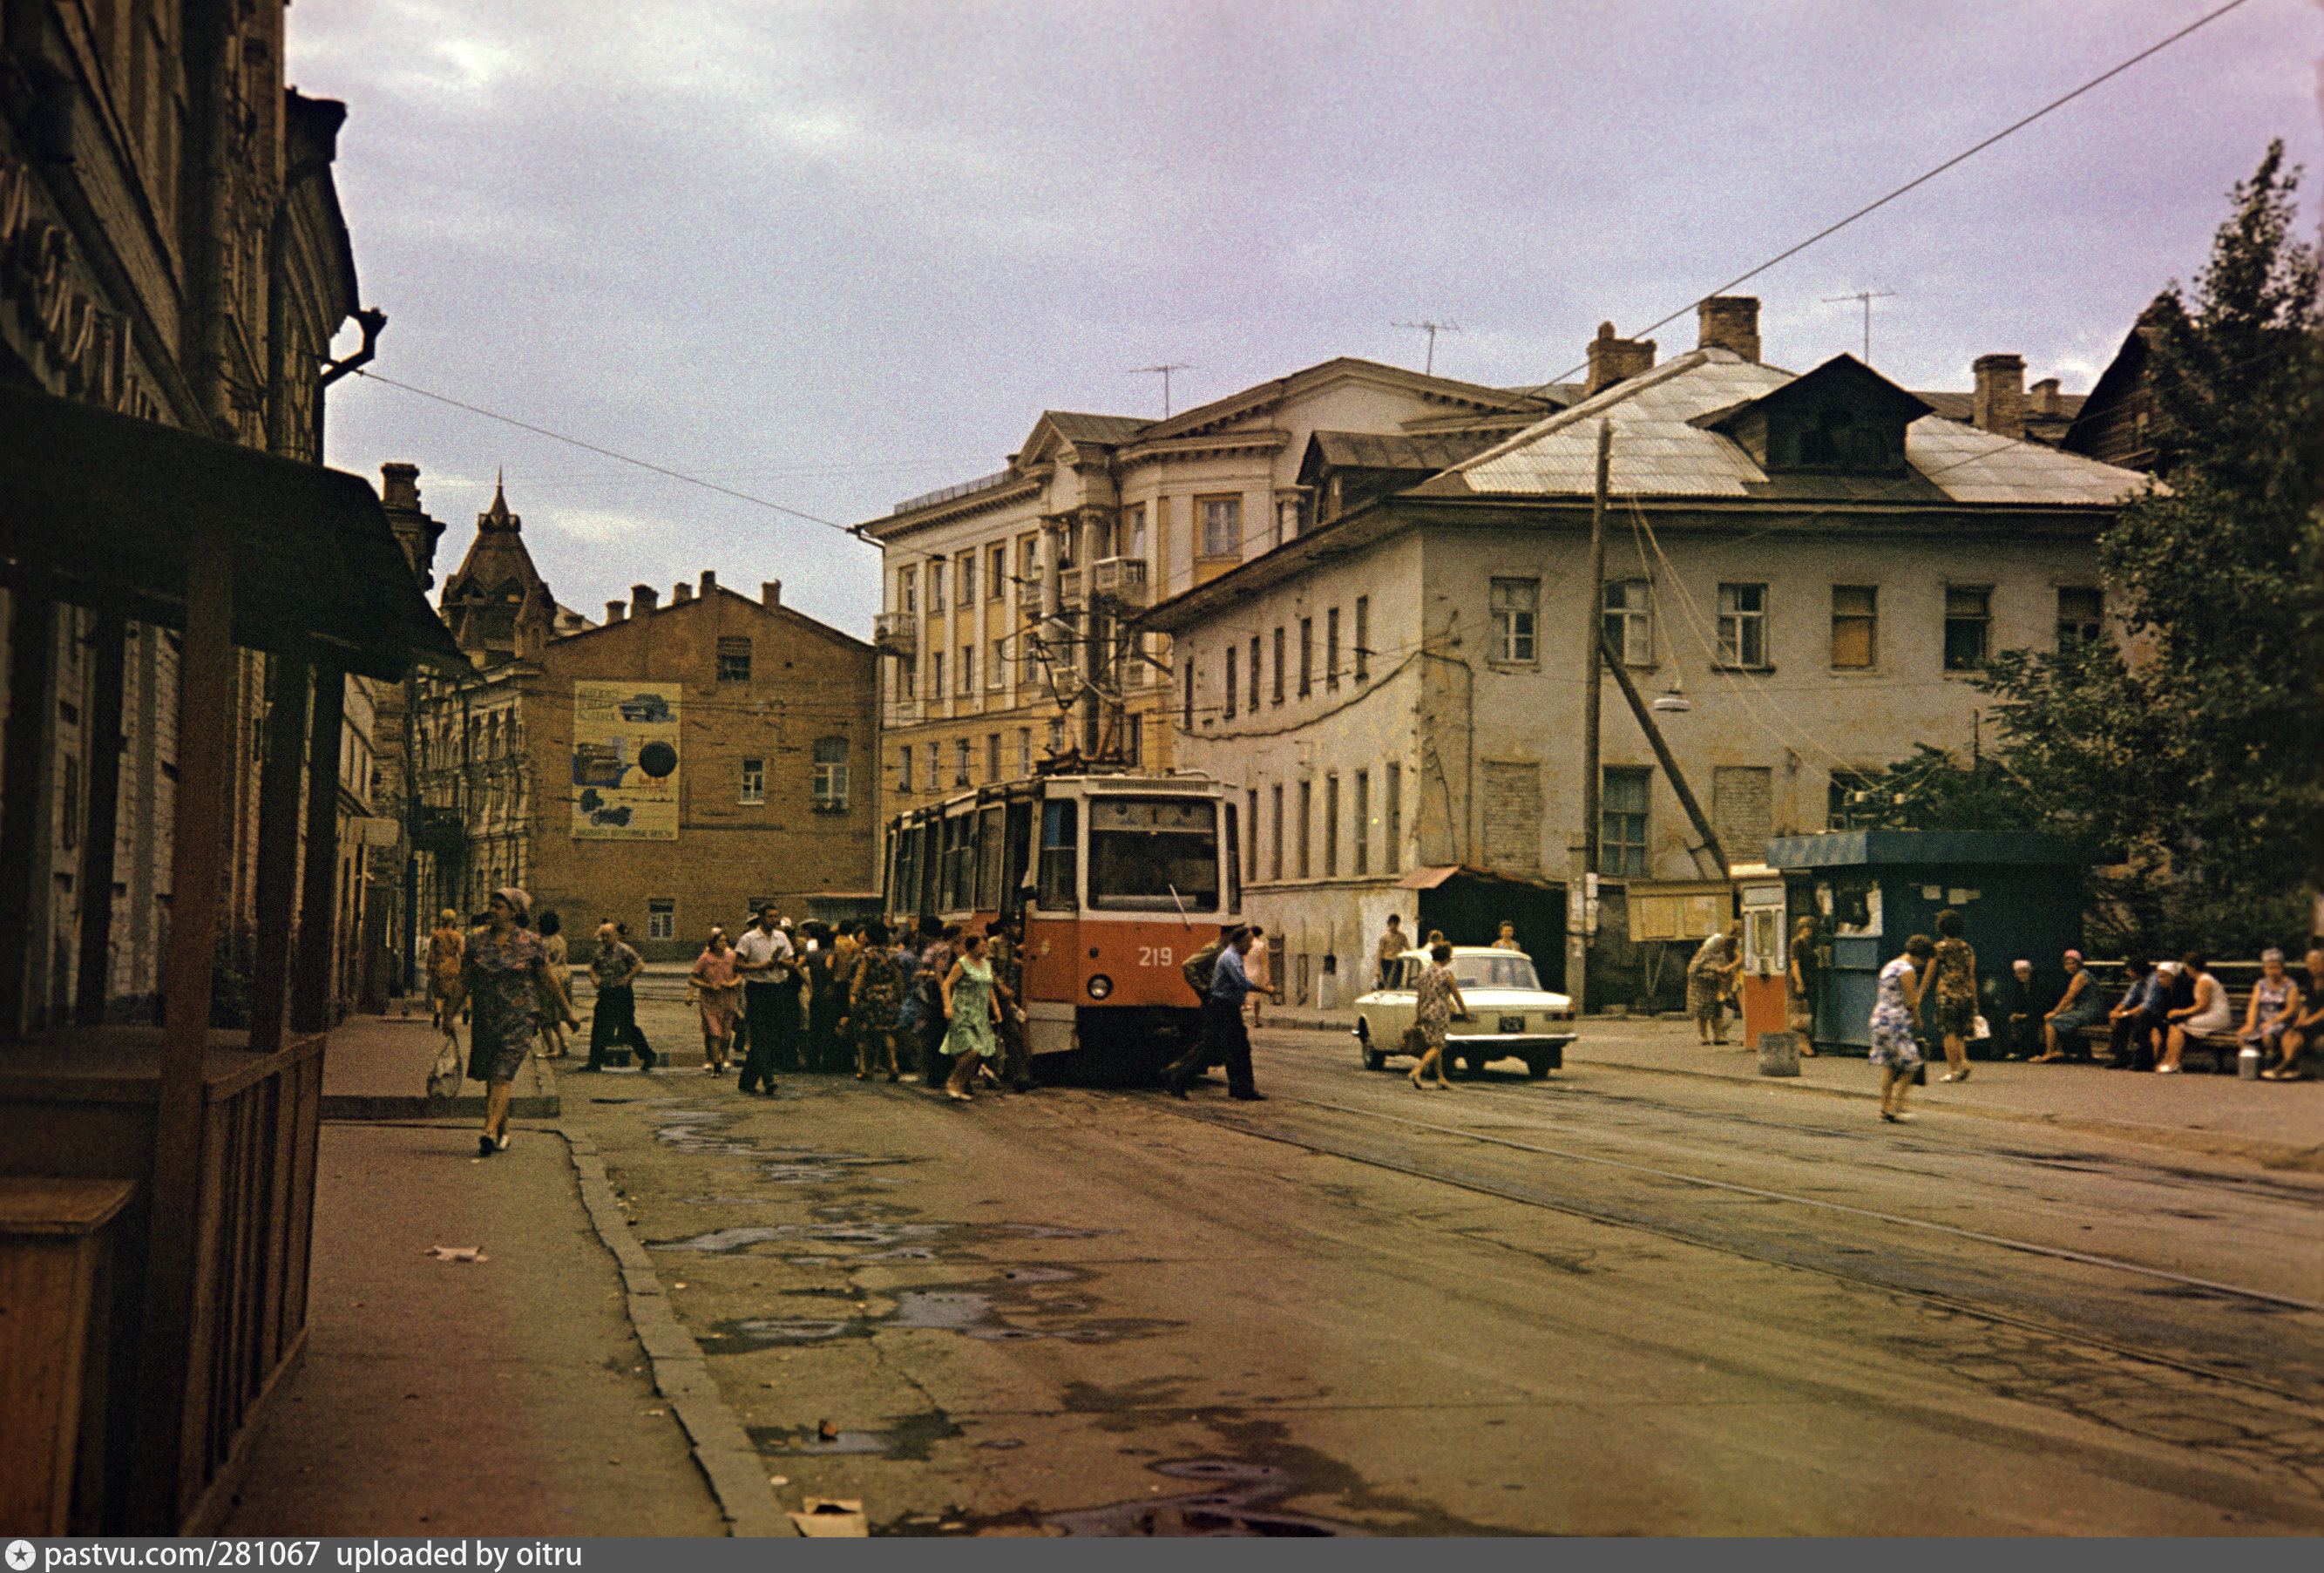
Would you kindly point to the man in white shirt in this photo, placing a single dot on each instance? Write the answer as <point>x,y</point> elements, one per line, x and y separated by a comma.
<point>765,959</point>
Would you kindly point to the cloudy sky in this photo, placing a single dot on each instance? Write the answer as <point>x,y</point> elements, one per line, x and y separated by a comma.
<point>834,255</point>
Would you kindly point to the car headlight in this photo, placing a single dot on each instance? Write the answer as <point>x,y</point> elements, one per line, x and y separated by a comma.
<point>1100,986</point>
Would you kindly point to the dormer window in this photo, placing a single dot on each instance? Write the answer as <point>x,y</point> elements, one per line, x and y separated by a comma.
<point>1840,418</point>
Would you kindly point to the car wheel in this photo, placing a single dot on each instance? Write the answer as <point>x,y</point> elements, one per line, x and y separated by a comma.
<point>1374,1060</point>
<point>1476,1063</point>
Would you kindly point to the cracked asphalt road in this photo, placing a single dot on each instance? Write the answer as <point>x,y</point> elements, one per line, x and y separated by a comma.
<point>1103,1312</point>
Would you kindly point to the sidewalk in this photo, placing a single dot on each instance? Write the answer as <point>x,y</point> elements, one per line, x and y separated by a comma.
<point>2274,1124</point>
<point>511,1395</point>
<point>377,1069</point>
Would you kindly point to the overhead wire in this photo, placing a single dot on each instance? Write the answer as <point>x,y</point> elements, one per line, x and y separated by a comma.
<point>1920,179</point>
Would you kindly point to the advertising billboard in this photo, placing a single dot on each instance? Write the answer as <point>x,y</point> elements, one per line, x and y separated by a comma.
<point>625,761</point>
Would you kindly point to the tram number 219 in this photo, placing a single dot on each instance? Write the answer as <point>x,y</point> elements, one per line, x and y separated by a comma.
<point>1152,956</point>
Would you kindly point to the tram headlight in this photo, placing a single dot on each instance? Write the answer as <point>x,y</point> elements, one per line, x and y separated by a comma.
<point>1100,986</point>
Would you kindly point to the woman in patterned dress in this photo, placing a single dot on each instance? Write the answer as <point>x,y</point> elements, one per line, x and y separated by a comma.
<point>873,998</point>
<point>972,1010</point>
<point>506,984</point>
<point>448,949</point>
<point>1896,1006</point>
<point>1708,976</point>
<point>717,992</point>
<point>551,930</point>
<point>1436,1002</point>
<point>1949,993</point>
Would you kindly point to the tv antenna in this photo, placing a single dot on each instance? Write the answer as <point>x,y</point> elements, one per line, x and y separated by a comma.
<point>1867,297</point>
<point>1432,330</point>
<point>1175,366</point>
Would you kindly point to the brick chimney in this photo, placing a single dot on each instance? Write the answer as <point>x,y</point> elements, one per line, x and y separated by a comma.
<point>2045,401</point>
<point>399,485</point>
<point>1999,404</point>
<point>642,598</point>
<point>770,593</point>
<point>614,611</point>
<point>681,593</point>
<point>1730,322</point>
<point>709,582</point>
<point>1616,360</point>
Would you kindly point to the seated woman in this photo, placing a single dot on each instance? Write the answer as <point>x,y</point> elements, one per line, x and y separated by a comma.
<point>2022,1003</point>
<point>2131,1024</point>
<point>2307,1024</point>
<point>2209,1016</point>
<point>2077,1008</point>
<point>2275,1006</point>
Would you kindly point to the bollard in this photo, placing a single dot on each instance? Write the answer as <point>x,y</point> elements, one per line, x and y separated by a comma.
<point>2247,1062</point>
<point>1779,1053</point>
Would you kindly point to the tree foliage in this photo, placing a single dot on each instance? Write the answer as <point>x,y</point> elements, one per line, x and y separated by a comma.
<point>2192,757</point>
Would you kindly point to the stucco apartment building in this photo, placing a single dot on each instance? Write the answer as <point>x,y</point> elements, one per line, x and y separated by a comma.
<point>668,768</point>
<point>1802,570</point>
<point>1004,629</point>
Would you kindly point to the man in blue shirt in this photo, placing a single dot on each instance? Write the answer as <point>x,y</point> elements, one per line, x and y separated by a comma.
<point>1223,1018</point>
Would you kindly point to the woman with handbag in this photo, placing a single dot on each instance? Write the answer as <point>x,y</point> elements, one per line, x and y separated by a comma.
<point>507,984</point>
<point>1949,993</point>
<point>448,949</point>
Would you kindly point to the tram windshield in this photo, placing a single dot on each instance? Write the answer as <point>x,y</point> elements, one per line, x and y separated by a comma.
<point>1154,854</point>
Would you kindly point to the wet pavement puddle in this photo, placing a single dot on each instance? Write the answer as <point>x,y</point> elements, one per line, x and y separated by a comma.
<point>1011,1305</point>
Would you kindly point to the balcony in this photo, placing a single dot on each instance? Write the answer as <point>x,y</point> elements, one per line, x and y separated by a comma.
<point>896,634</point>
<point>1120,582</point>
<point>1070,587</point>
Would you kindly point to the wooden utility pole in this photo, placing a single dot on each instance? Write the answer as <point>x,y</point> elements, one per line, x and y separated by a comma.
<point>1582,865</point>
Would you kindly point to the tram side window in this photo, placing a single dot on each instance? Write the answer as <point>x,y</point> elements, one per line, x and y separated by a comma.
<point>931,864</point>
<point>1059,827</point>
<point>987,860</point>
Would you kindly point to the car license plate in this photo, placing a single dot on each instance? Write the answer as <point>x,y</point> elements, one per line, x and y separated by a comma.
<point>1512,1024</point>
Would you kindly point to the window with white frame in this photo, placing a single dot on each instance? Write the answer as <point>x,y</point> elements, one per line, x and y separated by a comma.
<point>1742,625</point>
<point>960,762</point>
<point>908,591</point>
<point>661,918</point>
<point>1515,605</point>
<point>1133,530</point>
<point>1969,626</point>
<point>754,780</point>
<point>996,671</point>
<point>968,578</point>
<point>996,562</point>
<point>1855,625</point>
<point>831,773</point>
<point>1221,525</point>
<point>1630,620</point>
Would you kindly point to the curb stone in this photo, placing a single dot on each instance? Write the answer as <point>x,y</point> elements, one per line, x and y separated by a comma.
<point>721,1449</point>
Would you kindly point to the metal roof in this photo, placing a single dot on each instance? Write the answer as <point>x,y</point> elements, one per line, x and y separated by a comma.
<point>1659,453</point>
<point>1379,451</point>
<point>1107,429</point>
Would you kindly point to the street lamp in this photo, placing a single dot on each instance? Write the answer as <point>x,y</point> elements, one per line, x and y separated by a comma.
<point>1675,702</point>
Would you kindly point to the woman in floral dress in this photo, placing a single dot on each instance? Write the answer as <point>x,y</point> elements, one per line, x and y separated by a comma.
<point>506,984</point>
<point>551,930</point>
<point>971,1009</point>
<point>873,998</point>
<point>1436,1002</point>
<point>718,991</point>
<point>1896,1006</point>
<point>1949,993</point>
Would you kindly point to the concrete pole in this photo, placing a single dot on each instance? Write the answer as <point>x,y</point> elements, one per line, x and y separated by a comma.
<point>1583,856</point>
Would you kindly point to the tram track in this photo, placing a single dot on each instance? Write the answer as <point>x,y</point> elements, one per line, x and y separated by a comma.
<point>1620,1215</point>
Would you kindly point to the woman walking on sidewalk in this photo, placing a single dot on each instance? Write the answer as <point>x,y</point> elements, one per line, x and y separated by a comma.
<point>506,984</point>
<point>1949,993</point>
<point>1436,1001</point>
<point>971,1009</point>
<point>1895,1008</point>
<point>551,930</point>
<point>1709,978</point>
<point>447,950</point>
<point>718,991</point>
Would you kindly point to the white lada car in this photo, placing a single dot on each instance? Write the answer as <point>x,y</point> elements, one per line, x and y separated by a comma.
<point>1512,1016</point>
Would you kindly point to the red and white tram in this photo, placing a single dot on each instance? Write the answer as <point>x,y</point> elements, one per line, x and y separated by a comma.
<point>1121,876</point>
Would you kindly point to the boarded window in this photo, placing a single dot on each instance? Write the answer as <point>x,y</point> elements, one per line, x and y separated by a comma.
<point>1742,810</point>
<point>1512,816</point>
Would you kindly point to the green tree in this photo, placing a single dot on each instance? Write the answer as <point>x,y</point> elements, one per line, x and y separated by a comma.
<point>2192,757</point>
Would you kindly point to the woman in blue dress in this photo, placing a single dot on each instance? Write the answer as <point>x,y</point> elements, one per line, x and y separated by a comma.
<point>1895,1008</point>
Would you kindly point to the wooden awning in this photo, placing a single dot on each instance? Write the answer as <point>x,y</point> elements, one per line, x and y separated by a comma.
<point>102,509</point>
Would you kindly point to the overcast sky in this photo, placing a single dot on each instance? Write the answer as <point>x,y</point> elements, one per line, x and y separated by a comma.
<point>837,254</point>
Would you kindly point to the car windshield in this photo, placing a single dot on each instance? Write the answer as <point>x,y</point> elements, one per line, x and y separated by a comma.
<point>1154,854</point>
<point>1501,971</point>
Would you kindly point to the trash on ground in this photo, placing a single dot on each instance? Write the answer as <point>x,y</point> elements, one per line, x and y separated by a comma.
<point>825,1432</point>
<point>457,1253</point>
<point>779,1480</point>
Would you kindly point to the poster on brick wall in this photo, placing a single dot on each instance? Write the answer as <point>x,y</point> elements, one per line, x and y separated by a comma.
<point>625,761</point>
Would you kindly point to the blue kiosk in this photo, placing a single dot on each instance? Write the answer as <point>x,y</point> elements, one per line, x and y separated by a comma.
<point>2019,894</point>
